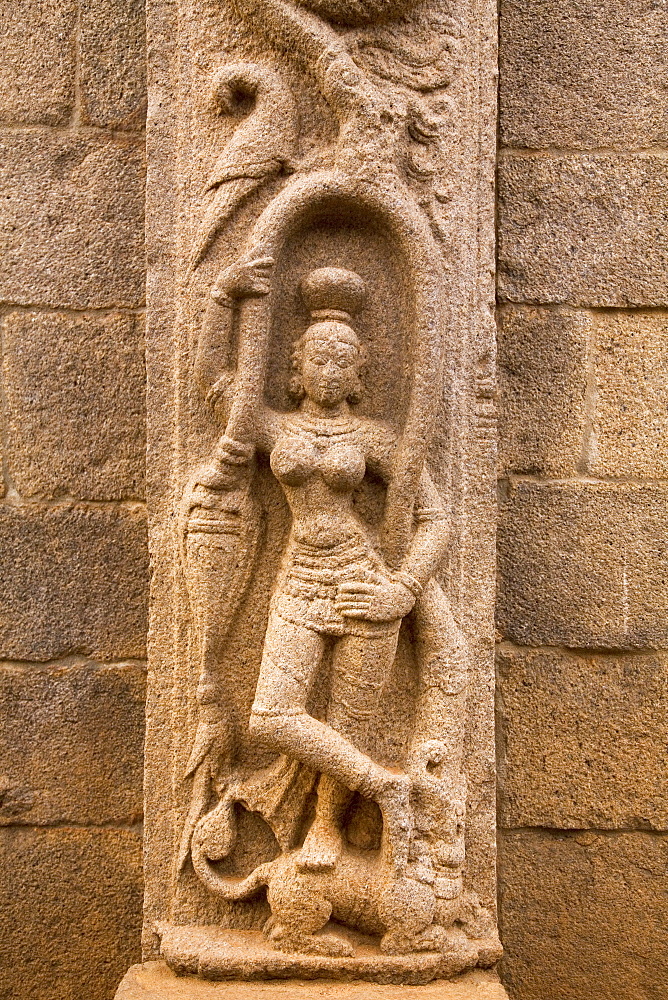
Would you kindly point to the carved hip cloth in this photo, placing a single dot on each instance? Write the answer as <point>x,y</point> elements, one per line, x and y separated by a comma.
<point>308,586</point>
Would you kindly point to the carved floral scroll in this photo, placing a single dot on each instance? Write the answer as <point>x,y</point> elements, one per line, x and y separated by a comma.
<point>320,747</point>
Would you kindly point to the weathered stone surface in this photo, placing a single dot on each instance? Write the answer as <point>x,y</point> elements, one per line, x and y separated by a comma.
<point>37,62</point>
<point>585,230</point>
<point>154,981</point>
<point>583,915</point>
<point>542,378</point>
<point>316,306</point>
<point>71,743</point>
<point>113,63</point>
<point>71,911</point>
<point>71,221</point>
<point>74,396</point>
<point>584,565</point>
<point>74,581</point>
<point>583,74</point>
<point>583,739</point>
<point>630,357</point>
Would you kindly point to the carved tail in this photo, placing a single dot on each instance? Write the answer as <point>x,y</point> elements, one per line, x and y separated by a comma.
<point>220,823</point>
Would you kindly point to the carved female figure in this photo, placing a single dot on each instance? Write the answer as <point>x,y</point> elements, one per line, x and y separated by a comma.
<point>334,586</point>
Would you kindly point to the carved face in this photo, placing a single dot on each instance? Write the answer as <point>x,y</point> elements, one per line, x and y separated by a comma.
<point>329,370</point>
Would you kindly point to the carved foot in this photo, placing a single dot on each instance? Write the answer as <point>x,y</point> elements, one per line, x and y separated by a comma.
<point>327,942</point>
<point>321,851</point>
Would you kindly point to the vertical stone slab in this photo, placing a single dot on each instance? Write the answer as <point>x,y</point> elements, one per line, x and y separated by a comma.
<point>321,458</point>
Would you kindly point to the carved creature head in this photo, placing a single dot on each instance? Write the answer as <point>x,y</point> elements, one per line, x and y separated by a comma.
<point>329,356</point>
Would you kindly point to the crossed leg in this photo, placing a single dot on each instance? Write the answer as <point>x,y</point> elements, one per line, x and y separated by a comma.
<point>359,672</point>
<point>279,718</point>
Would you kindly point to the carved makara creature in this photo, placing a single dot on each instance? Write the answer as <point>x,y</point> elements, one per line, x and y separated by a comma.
<point>344,587</point>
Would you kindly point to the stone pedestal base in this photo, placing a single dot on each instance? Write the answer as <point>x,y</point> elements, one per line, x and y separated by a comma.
<point>221,954</point>
<point>155,981</point>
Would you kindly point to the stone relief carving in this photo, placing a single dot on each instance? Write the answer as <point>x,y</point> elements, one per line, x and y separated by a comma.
<point>369,833</point>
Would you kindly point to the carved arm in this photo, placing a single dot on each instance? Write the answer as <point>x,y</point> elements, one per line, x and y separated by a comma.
<point>213,369</point>
<point>430,539</point>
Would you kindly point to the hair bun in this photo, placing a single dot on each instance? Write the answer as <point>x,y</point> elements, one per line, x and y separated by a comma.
<point>333,290</point>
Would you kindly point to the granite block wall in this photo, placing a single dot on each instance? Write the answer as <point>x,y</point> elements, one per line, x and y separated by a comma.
<point>583,530</point>
<point>583,575</point>
<point>73,584</point>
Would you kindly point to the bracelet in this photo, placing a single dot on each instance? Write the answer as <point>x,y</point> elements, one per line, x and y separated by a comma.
<point>409,582</point>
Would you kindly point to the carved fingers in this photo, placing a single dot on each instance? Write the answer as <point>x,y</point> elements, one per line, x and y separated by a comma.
<point>374,598</point>
<point>245,279</point>
<point>228,466</point>
<point>220,389</point>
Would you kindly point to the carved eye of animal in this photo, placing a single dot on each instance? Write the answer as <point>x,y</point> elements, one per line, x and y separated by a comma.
<point>292,462</point>
<point>354,13</point>
<point>342,467</point>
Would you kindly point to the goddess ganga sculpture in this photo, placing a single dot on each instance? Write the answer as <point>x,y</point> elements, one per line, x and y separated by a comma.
<point>335,594</point>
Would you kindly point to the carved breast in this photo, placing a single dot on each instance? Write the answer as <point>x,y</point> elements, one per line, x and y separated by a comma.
<point>293,462</point>
<point>354,13</point>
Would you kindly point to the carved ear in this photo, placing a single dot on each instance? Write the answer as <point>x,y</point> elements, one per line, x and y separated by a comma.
<point>357,393</point>
<point>296,389</point>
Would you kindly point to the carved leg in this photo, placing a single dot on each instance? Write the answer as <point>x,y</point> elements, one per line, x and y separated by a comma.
<point>360,669</point>
<point>291,656</point>
<point>300,912</point>
<point>279,719</point>
<point>323,845</point>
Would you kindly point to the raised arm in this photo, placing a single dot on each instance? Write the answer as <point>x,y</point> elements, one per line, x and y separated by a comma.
<point>214,370</point>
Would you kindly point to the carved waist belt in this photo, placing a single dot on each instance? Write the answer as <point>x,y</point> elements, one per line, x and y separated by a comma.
<point>317,572</point>
<point>307,590</point>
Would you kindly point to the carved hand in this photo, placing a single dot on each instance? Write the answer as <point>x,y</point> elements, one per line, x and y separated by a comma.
<point>246,279</point>
<point>375,598</point>
<point>220,389</point>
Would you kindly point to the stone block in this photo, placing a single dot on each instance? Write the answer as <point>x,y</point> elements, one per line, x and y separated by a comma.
<point>584,565</point>
<point>583,915</point>
<point>583,230</point>
<point>71,221</point>
<point>71,906</point>
<point>37,62</point>
<point>154,981</point>
<point>630,358</point>
<point>74,397</point>
<point>113,63</point>
<point>71,743</point>
<point>542,378</point>
<point>583,739</point>
<point>74,580</point>
<point>580,74</point>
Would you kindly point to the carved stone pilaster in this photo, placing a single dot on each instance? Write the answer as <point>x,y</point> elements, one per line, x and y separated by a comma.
<point>320,753</point>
